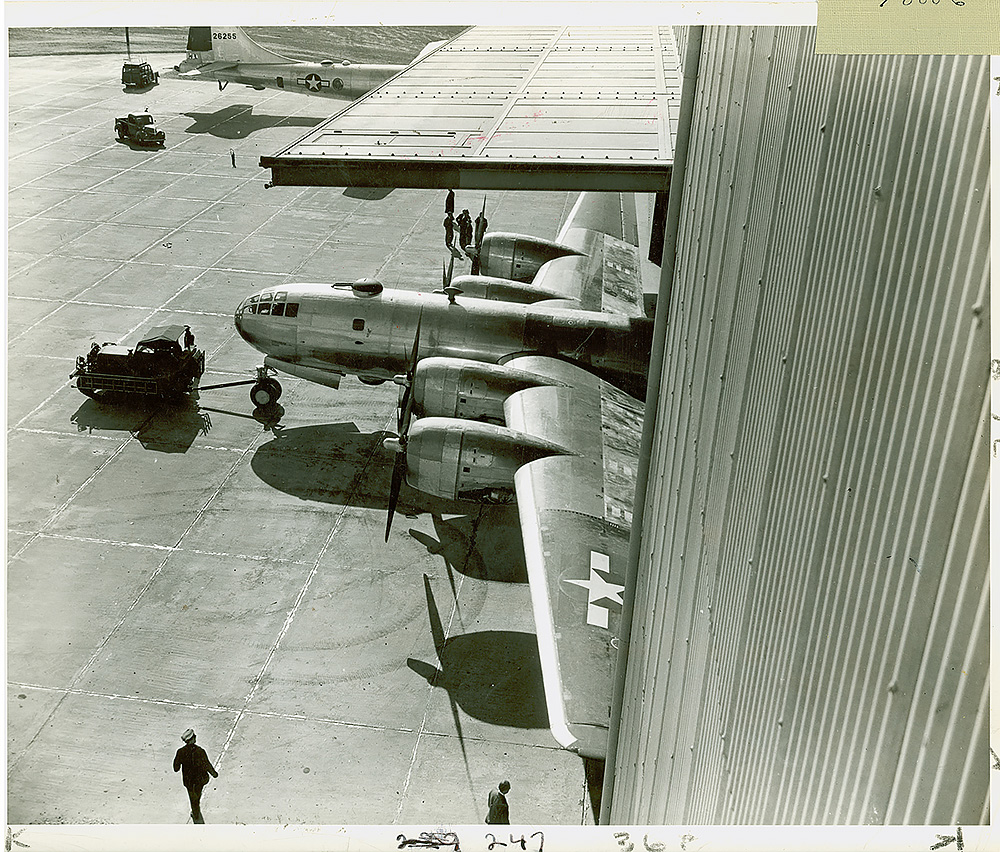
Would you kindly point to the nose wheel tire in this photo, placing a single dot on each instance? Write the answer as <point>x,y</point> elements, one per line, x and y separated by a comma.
<point>265,393</point>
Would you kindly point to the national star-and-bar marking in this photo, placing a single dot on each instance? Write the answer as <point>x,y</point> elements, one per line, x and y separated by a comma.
<point>599,589</point>
<point>313,82</point>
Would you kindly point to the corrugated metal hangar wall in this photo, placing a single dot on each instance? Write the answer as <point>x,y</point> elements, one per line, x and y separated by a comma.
<point>811,628</point>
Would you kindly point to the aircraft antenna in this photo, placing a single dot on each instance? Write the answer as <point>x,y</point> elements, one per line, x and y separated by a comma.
<point>128,46</point>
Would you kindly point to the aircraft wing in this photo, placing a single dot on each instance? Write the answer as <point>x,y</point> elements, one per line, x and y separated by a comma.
<point>607,276</point>
<point>575,516</point>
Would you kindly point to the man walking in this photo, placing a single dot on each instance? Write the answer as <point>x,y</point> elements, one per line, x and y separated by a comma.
<point>499,813</point>
<point>196,769</point>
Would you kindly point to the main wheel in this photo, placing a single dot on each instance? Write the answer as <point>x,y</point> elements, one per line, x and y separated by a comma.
<point>265,393</point>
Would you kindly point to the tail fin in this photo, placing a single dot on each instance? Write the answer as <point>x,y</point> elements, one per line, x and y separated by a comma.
<point>226,44</point>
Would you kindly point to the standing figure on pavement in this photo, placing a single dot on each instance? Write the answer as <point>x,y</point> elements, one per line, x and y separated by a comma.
<point>196,768</point>
<point>499,814</point>
<point>449,202</point>
<point>481,223</point>
<point>449,230</point>
<point>464,229</point>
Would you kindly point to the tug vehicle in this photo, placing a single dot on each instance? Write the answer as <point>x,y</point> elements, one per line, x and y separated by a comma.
<point>140,129</point>
<point>164,363</point>
<point>138,75</point>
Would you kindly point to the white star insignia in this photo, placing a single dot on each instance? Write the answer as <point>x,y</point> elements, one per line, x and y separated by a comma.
<point>599,589</point>
<point>313,82</point>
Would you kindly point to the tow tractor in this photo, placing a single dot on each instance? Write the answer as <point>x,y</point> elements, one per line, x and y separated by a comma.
<point>164,363</point>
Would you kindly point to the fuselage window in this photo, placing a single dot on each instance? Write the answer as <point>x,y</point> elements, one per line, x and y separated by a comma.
<point>359,325</point>
<point>292,309</point>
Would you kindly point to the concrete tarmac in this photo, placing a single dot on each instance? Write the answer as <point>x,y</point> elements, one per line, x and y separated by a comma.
<point>195,565</point>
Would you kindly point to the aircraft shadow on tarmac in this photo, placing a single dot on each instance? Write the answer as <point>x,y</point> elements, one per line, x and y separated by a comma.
<point>367,193</point>
<point>238,121</point>
<point>160,426</point>
<point>493,675</point>
<point>336,463</point>
<point>496,677</point>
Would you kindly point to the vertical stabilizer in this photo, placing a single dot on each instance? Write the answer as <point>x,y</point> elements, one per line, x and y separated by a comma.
<point>232,44</point>
<point>225,44</point>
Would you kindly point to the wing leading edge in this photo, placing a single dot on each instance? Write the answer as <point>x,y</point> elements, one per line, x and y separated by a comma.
<point>575,514</point>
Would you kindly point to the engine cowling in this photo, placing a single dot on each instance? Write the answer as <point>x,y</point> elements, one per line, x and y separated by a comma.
<point>469,390</point>
<point>503,289</point>
<point>462,460</point>
<point>516,256</point>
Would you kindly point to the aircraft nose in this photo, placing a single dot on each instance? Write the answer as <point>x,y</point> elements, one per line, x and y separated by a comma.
<point>238,322</point>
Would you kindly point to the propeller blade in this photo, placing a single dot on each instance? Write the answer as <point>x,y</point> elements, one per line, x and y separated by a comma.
<point>404,407</point>
<point>398,472</point>
<point>405,411</point>
<point>416,345</point>
<point>406,400</point>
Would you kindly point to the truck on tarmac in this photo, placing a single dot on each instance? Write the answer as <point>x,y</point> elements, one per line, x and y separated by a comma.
<point>137,74</point>
<point>165,363</point>
<point>140,129</point>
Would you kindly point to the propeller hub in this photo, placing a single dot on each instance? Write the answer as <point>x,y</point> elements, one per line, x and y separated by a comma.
<point>394,444</point>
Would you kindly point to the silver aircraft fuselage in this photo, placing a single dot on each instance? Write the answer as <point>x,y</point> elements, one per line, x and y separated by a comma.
<point>345,81</point>
<point>346,330</point>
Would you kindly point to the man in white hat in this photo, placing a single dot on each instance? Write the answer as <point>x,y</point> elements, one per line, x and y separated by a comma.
<point>197,767</point>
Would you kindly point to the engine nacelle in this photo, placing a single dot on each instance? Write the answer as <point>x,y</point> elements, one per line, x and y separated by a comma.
<point>460,460</point>
<point>310,374</point>
<point>516,256</point>
<point>470,390</point>
<point>503,289</point>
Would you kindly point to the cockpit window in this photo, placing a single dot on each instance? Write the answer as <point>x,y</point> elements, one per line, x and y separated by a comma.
<point>277,309</point>
<point>292,309</point>
<point>280,296</point>
<point>255,297</point>
<point>264,308</point>
<point>266,297</point>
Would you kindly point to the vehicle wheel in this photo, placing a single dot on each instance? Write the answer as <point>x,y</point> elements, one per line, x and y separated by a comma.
<point>265,393</point>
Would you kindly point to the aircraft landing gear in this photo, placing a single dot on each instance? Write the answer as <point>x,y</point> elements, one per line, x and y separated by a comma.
<point>265,390</point>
